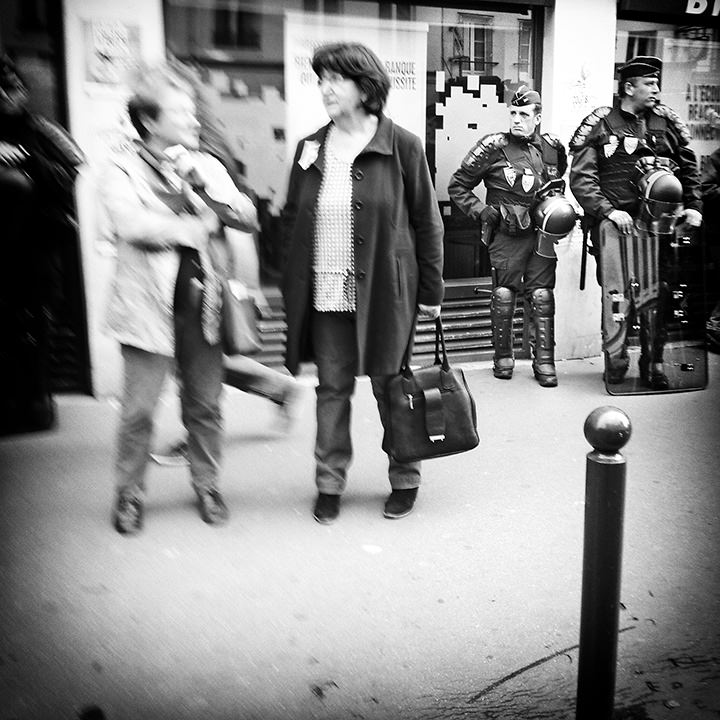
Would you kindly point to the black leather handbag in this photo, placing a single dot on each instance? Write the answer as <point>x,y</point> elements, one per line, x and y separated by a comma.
<point>431,412</point>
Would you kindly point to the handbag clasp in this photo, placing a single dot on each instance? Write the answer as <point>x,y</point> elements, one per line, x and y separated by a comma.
<point>436,438</point>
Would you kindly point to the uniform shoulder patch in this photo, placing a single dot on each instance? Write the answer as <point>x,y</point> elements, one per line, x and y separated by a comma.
<point>552,140</point>
<point>674,119</point>
<point>485,147</point>
<point>588,123</point>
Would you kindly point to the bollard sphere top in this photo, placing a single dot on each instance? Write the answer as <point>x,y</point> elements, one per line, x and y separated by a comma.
<point>607,429</point>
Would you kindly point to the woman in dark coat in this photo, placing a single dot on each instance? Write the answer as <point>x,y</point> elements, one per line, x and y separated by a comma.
<point>364,257</point>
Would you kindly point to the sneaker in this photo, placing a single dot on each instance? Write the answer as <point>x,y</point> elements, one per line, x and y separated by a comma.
<point>400,503</point>
<point>327,508</point>
<point>128,517</point>
<point>174,455</point>
<point>213,509</point>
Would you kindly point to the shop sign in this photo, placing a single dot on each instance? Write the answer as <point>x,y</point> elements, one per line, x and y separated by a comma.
<point>401,47</point>
<point>686,9</point>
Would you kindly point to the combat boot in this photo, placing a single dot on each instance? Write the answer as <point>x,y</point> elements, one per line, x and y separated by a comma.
<point>542,337</point>
<point>502,309</point>
<point>652,346</point>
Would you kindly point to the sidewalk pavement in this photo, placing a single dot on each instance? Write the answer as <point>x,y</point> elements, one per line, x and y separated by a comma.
<point>468,608</point>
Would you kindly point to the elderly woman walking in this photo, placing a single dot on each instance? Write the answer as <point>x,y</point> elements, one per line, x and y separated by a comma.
<point>364,258</point>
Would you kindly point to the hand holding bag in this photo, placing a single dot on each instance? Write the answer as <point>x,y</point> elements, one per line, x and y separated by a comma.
<point>238,327</point>
<point>238,315</point>
<point>431,412</point>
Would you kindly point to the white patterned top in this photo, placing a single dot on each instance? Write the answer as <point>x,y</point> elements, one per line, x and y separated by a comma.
<point>334,258</point>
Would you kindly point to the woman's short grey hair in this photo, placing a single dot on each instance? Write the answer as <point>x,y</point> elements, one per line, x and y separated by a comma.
<point>146,91</point>
<point>360,64</point>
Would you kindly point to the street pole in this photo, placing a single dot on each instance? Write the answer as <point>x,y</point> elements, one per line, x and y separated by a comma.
<point>607,429</point>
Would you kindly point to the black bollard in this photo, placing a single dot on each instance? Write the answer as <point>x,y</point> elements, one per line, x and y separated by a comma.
<point>607,429</point>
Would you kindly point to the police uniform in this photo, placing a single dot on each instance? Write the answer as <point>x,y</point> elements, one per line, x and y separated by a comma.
<point>606,148</point>
<point>513,169</point>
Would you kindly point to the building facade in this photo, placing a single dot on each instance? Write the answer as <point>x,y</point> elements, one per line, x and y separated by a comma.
<point>452,66</point>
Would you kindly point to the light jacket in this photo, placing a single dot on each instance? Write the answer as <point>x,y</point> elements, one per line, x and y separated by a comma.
<point>398,245</point>
<point>147,234</point>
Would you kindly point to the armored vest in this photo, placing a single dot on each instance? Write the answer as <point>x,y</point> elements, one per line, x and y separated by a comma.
<point>521,169</point>
<point>620,143</point>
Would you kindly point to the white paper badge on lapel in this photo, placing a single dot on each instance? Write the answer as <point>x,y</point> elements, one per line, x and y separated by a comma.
<point>309,153</point>
<point>510,175</point>
<point>611,146</point>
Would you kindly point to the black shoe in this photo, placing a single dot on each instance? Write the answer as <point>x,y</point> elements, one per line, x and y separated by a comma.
<point>327,508</point>
<point>503,368</point>
<point>400,503</point>
<point>128,517</point>
<point>213,509</point>
<point>545,374</point>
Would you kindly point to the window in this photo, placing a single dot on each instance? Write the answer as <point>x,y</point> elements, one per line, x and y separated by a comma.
<point>474,42</point>
<point>236,28</point>
<point>524,40</point>
<point>641,43</point>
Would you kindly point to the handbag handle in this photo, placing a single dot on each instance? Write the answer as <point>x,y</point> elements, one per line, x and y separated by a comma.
<point>439,345</point>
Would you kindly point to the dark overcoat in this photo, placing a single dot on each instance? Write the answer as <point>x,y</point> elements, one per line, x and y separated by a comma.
<point>398,244</point>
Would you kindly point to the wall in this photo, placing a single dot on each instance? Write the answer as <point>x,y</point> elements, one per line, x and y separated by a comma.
<point>578,74</point>
<point>103,40</point>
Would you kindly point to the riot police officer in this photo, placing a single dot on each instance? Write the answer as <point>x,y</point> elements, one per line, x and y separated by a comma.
<point>514,166</point>
<point>611,186</point>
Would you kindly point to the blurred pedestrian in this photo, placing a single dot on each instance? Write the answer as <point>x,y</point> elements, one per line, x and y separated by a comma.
<point>364,259</point>
<point>39,162</point>
<point>166,202</point>
<point>241,372</point>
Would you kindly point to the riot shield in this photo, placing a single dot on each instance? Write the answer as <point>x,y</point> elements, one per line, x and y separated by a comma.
<point>653,310</point>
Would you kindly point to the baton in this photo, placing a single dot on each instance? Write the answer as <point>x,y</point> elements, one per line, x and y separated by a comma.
<point>583,258</point>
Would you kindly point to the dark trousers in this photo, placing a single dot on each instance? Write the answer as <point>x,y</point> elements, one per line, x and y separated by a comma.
<point>335,346</point>
<point>517,266</point>
<point>200,375</point>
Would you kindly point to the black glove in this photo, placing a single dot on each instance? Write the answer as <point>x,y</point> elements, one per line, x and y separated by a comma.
<point>490,216</point>
<point>489,219</point>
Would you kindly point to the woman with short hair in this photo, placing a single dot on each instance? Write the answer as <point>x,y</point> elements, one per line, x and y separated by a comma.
<point>364,258</point>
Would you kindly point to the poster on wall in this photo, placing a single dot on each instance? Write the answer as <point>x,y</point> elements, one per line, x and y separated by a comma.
<point>112,49</point>
<point>690,86</point>
<point>400,45</point>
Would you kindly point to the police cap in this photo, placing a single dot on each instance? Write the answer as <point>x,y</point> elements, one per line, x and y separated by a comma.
<point>641,66</point>
<point>525,96</point>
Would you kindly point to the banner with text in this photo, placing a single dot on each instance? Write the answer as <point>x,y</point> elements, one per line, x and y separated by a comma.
<point>400,45</point>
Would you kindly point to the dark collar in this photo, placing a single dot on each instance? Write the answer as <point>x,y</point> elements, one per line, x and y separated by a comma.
<point>381,142</point>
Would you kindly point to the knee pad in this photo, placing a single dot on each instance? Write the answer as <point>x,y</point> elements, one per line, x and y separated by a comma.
<point>503,301</point>
<point>542,302</point>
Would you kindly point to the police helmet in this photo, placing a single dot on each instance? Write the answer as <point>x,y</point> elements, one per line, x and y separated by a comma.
<point>660,192</point>
<point>554,216</point>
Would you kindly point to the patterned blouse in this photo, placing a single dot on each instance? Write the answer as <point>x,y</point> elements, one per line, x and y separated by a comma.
<point>333,258</point>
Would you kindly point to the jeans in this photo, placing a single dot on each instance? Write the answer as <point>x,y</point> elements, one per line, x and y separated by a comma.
<point>335,347</point>
<point>200,373</point>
